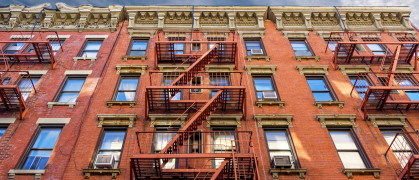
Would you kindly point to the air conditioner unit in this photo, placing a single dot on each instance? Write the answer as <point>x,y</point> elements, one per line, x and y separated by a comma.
<point>256,52</point>
<point>282,162</point>
<point>105,161</point>
<point>269,96</point>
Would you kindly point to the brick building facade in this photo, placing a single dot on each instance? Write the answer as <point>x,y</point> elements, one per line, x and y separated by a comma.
<point>182,92</point>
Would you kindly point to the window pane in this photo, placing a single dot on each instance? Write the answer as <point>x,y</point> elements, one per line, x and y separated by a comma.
<point>139,45</point>
<point>73,84</point>
<point>137,53</point>
<point>128,84</point>
<point>179,46</point>
<point>220,81</point>
<point>68,97</point>
<point>413,95</point>
<point>37,159</point>
<point>320,96</point>
<point>26,84</point>
<point>253,45</point>
<point>89,54</point>
<point>277,140</point>
<point>125,96</point>
<point>47,138</point>
<point>404,82</point>
<point>2,131</point>
<point>343,140</point>
<point>223,141</point>
<point>93,45</point>
<point>15,46</point>
<point>263,84</point>
<point>299,46</point>
<point>332,45</point>
<point>161,140</point>
<point>351,160</point>
<point>113,140</point>
<point>303,53</point>
<point>389,135</point>
<point>317,85</point>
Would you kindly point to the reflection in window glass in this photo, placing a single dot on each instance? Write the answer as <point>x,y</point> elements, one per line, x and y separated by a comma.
<point>138,48</point>
<point>112,143</point>
<point>71,89</point>
<point>279,145</point>
<point>127,88</point>
<point>320,90</point>
<point>263,84</point>
<point>91,48</point>
<point>26,87</point>
<point>347,149</point>
<point>300,48</point>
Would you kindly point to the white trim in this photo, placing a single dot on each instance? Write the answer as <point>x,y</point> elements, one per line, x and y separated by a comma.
<point>96,36</point>
<point>7,120</point>
<point>78,72</point>
<point>59,36</point>
<point>21,36</point>
<point>34,72</point>
<point>53,120</point>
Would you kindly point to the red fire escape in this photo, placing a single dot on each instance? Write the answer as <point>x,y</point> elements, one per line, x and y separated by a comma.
<point>23,47</point>
<point>386,89</point>
<point>192,152</point>
<point>403,155</point>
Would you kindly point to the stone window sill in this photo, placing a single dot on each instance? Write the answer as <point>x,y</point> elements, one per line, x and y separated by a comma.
<point>69,104</point>
<point>13,172</point>
<point>113,172</point>
<point>142,58</point>
<point>75,59</point>
<point>250,58</point>
<point>276,172</point>
<point>351,172</point>
<point>281,104</point>
<point>320,104</point>
<point>131,104</point>
<point>301,58</point>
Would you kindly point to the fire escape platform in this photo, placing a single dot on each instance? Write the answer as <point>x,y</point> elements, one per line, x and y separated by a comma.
<point>411,170</point>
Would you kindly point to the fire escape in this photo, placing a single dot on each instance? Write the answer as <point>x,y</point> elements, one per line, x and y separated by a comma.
<point>23,47</point>
<point>191,152</point>
<point>384,89</point>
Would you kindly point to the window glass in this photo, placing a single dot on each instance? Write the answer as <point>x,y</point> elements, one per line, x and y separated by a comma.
<point>223,141</point>
<point>377,49</point>
<point>361,85</point>
<point>332,45</point>
<point>138,48</point>
<point>112,144</point>
<point>408,82</point>
<point>300,48</point>
<point>347,149</point>
<point>252,45</point>
<point>56,45</point>
<point>167,80</point>
<point>160,140</point>
<point>320,90</point>
<point>279,144</point>
<point>13,48</point>
<point>2,131</point>
<point>26,87</point>
<point>71,89</point>
<point>42,148</point>
<point>263,85</point>
<point>91,48</point>
<point>127,89</point>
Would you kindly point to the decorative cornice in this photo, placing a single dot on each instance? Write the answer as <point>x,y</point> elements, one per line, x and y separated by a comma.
<point>274,120</point>
<point>336,120</point>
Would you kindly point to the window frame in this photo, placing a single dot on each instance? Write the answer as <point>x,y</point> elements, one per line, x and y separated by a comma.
<point>194,91</point>
<point>100,141</point>
<point>259,40</point>
<point>34,138</point>
<point>83,49</point>
<point>60,90</point>
<point>289,141</point>
<point>272,82</point>
<point>23,48</point>
<point>366,78</point>
<point>132,42</point>
<point>62,40</point>
<point>164,129</point>
<point>326,82</point>
<point>211,76</point>
<point>305,43</point>
<point>233,129</point>
<point>175,52</point>
<point>118,84</point>
<point>169,77</point>
<point>21,77</point>
<point>360,148</point>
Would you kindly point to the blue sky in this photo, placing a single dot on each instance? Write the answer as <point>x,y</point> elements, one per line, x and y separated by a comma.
<point>102,3</point>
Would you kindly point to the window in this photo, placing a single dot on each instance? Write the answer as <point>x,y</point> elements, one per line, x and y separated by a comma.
<point>377,49</point>
<point>301,48</point>
<point>210,45</point>
<point>362,84</point>
<point>71,89</point>
<point>196,81</point>
<point>112,142</point>
<point>41,147</point>
<point>224,141</point>
<point>348,149</point>
<point>218,80</point>
<point>138,47</point>
<point>332,43</point>
<point>161,139</point>
<point>402,149</point>
<point>25,85</point>
<point>254,44</point>
<point>196,46</point>
<point>91,48</point>
<point>179,48</point>
<point>279,143</point>
<point>320,88</point>
<point>408,81</point>
<point>264,85</point>
<point>56,45</point>
<point>13,48</point>
<point>3,129</point>
<point>5,81</point>
<point>127,88</point>
<point>167,80</point>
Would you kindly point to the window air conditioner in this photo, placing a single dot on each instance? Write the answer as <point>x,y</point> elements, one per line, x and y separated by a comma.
<point>269,96</point>
<point>282,162</point>
<point>256,52</point>
<point>105,161</point>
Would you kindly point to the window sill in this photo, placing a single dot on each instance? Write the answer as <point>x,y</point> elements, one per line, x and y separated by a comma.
<point>75,59</point>
<point>131,104</point>
<point>13,172</point>
<point>281,104</point>
<point>112,172</point>
<point>351,172</point>
<point>320,104</point>
<point>142,58</point>
<point>300,58</point>
<point>276,172</point>
<point>250,58</point>
<point>69,104</point>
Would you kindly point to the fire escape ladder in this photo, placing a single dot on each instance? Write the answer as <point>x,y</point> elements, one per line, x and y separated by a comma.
<point>192,124</point>
<point>220,170</point>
